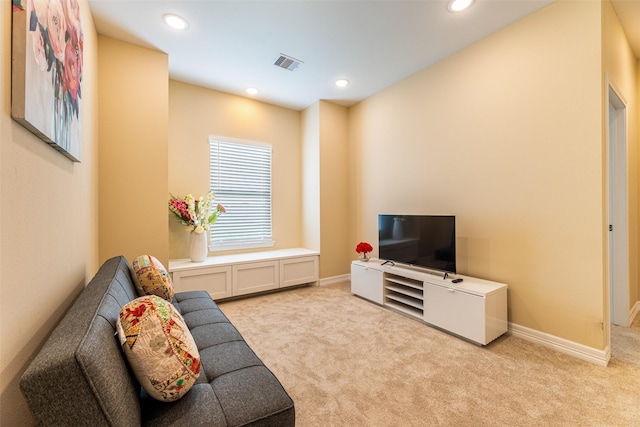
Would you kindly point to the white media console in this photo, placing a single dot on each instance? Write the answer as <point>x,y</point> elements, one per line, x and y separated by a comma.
<point>473,309</point>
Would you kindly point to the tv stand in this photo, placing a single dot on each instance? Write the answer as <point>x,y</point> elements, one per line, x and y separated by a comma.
<point>473,309</point>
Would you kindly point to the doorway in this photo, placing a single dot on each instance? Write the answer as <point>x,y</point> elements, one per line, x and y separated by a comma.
<point>617,204</point>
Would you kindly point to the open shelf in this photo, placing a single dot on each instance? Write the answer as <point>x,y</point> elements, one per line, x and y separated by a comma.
<point>413,302</point>
<point>404,294</point>
<point>405,282</point>
<point>414,312</point>
<point>406,291</point>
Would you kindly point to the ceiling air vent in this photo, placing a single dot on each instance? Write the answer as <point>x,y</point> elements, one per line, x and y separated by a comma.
<point>287,62</point>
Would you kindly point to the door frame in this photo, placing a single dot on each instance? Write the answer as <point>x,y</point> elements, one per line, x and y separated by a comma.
<point>617,208</point>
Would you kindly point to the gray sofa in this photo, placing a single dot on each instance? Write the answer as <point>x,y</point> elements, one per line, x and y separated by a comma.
<point>81,376</point>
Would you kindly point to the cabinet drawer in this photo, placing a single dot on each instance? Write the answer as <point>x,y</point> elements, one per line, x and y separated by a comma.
<point>367,283</point>
<point>456,311</point>
<point>297,271</point>
<point>255,277</point>
<point>216,281</point>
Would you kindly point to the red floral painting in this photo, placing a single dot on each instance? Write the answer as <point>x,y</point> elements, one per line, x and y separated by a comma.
<point>46,80</point>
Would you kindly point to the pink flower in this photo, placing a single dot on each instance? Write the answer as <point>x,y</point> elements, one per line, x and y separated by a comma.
<point>38,49</point>
<point>40,8</point>
<point>71,74</point>
<point>72,15</point>
<point>180,207</point>
<point>74,31</point>
<point>57,28</point>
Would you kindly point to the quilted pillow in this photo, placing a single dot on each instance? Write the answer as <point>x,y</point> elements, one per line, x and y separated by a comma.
<point>151,278</point>
<point>159,347</point>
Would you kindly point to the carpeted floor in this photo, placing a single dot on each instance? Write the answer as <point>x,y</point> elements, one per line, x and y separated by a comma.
<point>348,362</point>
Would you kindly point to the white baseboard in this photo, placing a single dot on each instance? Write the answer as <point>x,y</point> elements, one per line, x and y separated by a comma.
<point>335,279</point>
<point>590,354</point>
<point>634,312</point>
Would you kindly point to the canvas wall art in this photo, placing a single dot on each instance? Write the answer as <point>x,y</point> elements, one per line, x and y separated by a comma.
<point>46,72</point>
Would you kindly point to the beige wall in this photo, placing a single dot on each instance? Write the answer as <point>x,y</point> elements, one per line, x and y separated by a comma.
<point>506,135</point>
<point>195,114</point>
<point>620,69</point>
<point>48,224</point>
<point>310,119</point>
<point>133,151</point>
<point>336,250</point>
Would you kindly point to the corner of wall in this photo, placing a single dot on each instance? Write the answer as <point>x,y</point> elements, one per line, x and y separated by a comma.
<point>133,162</point>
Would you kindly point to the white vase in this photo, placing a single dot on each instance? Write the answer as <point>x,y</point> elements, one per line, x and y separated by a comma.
<point>198,250</point>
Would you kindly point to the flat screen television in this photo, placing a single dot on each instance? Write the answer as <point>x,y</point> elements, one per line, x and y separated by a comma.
<point>427,241</point>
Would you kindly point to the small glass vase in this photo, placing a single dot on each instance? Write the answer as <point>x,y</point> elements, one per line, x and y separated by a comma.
<point>365,257</point>
<point>198,250</point>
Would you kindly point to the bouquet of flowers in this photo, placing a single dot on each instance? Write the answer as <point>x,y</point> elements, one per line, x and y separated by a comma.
<point>364,248</point>
<point>196,214</point>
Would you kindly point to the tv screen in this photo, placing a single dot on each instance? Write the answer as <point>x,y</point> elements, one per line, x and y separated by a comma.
<point>427,241</point>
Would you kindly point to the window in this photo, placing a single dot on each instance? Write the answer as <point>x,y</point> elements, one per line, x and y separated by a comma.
<point>240,176</point>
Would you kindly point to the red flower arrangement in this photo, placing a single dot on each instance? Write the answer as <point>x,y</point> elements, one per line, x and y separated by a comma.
<point>364,248</point>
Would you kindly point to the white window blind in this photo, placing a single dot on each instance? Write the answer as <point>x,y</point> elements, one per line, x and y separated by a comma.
<point>240,177</point>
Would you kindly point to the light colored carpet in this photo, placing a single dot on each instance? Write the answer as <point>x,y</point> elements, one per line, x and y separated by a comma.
<point>348,362</point>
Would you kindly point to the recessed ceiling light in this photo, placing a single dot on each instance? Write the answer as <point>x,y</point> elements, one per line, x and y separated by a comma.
<point>459,5</point>
<point>342,82</point>
<point>174,21</point>
<point>252,91</point>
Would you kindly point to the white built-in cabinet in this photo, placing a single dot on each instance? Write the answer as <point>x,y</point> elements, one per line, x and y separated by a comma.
<point>228,276</point>
<point>474,309</point>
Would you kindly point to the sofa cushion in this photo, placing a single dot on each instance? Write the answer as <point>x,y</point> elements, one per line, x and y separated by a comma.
<point>159,347</point>
<point>151,278</point>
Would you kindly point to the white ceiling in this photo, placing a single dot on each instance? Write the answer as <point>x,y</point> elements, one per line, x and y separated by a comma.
<point>232,44</point>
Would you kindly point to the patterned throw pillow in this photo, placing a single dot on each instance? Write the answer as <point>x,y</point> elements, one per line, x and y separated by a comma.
<point>159,347</point>
<point>151,278</point>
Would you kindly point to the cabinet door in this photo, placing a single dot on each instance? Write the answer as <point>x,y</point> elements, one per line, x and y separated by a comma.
<point>367,283</point>
<point>458,312</point>
<point>215,280</point>
<point>255,277</point>
<point>296,271</point>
